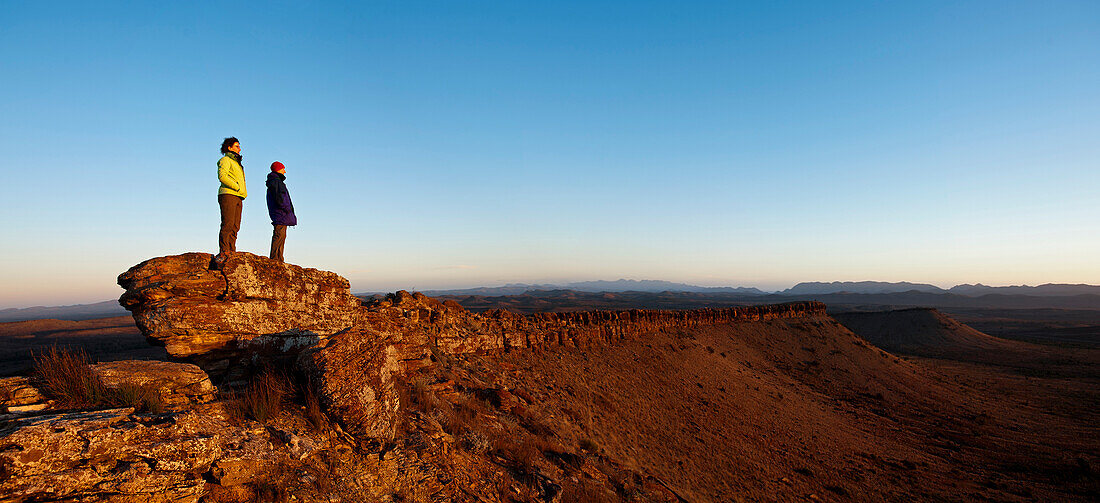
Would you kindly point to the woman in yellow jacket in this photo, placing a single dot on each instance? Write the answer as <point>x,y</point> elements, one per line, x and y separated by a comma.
<point>231,196</point>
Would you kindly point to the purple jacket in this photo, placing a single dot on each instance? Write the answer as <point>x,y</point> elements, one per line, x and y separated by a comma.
<point>279,206</point>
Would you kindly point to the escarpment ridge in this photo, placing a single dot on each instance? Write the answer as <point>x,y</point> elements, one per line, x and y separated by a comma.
<point>257,312</point>
<point>255,305</point>
<point>407,398</point>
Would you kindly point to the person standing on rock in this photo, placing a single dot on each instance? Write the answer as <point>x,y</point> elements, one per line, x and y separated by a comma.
<point>231,196</point>
<point>279,208</point>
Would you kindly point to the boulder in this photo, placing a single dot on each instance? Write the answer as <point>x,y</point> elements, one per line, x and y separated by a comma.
<point>177,383</point>
<point>354,375</point>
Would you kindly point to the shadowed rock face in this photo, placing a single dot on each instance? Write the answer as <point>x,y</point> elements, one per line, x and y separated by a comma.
<point>259,311</point>
<point>253,306</point>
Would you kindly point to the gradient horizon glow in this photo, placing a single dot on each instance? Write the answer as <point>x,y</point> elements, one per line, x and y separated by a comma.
<point>458,144</point>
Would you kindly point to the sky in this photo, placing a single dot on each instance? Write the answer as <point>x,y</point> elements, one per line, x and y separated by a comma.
<point>452,144</point>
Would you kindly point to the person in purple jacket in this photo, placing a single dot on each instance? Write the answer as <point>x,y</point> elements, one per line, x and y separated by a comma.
<point>279,208</point>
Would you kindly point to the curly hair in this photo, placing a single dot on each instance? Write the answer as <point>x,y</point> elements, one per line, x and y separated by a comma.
<point>228,142</point>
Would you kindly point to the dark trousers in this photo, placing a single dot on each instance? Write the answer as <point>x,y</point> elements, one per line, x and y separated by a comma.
<point>278,239</point>
<point>231,207</point>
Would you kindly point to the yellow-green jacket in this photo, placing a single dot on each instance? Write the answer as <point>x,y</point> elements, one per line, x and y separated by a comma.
<point>231,174</point>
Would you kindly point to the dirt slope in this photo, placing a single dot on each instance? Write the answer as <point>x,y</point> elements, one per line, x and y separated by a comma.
<point>918,331</point>
<point>932,334</point>
<point>797,410</point>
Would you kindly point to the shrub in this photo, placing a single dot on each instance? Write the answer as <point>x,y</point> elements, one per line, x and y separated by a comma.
<point>475,442</point>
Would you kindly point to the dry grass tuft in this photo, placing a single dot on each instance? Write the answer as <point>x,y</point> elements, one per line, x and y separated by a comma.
<point>67,378</point>
<point>263,399</point>
<point>589,445</point>
<point>475,442</point>
<point>314,413</point>
<point>524,451</point>
<point>142,398</point>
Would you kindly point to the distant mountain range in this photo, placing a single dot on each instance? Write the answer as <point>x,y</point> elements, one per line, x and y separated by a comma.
<point>844,292</point>
<point>810,288</point>
<point>622,285</point>
<point>805,288</point>
<point>103,309</point>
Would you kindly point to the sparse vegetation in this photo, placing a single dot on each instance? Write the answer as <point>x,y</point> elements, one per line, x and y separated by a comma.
<point>263,399</point>
<point>475,442</point>
<point>66,377</point>
<point>313,411</point>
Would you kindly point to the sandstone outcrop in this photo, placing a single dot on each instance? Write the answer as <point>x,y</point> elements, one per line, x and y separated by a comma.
<point>253,305</point>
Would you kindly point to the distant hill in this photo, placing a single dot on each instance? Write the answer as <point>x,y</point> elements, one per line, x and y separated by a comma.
<point>622,285</point>
<point>103,309</point>
<point>630,285</point>
<point>1047,290</point>
<point>918,331</point>
<point>873,287</point>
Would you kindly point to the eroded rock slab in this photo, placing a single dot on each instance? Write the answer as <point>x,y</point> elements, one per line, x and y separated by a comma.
<point>130,457</point>
<point>252,306</point>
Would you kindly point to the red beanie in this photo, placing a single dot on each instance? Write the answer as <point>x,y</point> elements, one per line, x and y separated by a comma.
<point>277,166</point>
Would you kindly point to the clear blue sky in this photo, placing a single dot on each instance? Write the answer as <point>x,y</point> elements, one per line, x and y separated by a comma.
<point>450,144</point>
